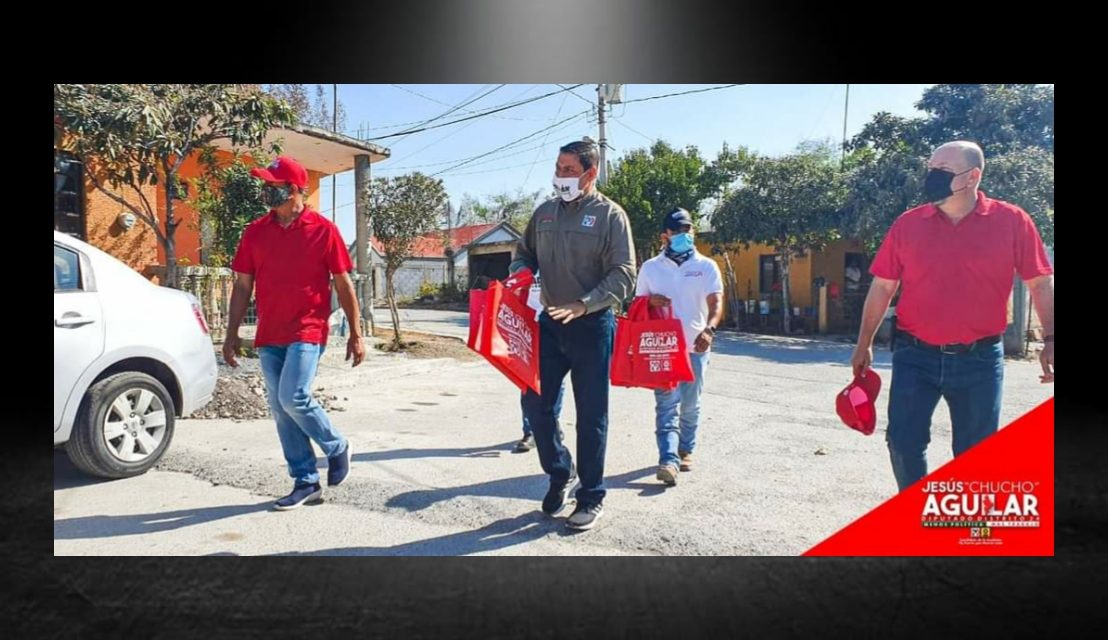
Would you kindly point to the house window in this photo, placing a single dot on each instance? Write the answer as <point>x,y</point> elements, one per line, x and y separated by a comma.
<point>769,274</point>
<point>69,195</point>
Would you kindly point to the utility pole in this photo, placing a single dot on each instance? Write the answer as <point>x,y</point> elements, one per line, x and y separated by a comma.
<point>603,177</point>
<point>846,109</point>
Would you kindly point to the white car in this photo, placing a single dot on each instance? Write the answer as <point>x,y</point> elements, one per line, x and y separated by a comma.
<point>129,358</point>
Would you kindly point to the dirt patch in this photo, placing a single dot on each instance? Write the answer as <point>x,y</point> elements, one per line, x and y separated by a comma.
<point>242,396</point>
<point>425,345</point>
<point>238,397</point>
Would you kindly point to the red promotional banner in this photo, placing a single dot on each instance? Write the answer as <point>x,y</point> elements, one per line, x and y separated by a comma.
<point>997,499</point>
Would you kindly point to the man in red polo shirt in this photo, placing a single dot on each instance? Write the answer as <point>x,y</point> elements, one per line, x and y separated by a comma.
<point>289,256</point>
<point>956,259</point>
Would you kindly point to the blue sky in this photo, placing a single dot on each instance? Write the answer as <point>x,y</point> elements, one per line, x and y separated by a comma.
<point>769,119</point>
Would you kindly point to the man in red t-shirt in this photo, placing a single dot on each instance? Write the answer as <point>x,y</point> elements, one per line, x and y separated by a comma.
<point>955,259</point>
<point>288,258</point>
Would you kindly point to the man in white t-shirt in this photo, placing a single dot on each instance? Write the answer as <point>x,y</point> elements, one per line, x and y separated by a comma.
<point>527,443</point>
<point>691,283</point>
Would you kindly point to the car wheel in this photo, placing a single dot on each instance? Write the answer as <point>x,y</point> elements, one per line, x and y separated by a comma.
<point>124,426</point>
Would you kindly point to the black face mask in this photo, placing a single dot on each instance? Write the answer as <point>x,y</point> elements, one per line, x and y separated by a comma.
<point>937,185</point>
<point>275,195</point>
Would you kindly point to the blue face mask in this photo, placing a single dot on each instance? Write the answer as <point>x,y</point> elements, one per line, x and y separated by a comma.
<point>681,243</point>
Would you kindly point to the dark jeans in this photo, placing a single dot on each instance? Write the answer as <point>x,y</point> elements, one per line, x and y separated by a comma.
<point>523,408</point>
<point>583,349</point>
<point>970,382</point>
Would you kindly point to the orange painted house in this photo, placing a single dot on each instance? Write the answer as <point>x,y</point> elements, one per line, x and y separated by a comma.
<point>80,209</point>
<point>842,265</point>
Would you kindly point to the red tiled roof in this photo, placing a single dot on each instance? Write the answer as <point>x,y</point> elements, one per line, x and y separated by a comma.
<point>431,245</point>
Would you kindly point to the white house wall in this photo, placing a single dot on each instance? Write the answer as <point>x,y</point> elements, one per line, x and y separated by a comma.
<point>411,276</point>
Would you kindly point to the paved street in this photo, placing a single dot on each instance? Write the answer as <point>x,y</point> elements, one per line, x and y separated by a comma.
<point>434,473</point>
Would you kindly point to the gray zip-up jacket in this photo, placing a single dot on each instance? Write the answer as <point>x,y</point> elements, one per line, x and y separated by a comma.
<point>583,249</point>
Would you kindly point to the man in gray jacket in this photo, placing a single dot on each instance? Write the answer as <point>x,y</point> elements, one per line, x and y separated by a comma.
<point>581,242</point>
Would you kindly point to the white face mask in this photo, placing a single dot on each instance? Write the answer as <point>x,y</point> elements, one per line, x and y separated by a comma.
<point>567,188</point>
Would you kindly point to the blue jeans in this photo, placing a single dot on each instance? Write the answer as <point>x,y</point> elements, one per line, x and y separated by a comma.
<point>583,349</point>
<point>678,433</point>
<point>970,382</point>
<point>523,407</point>
<point>289,371</point>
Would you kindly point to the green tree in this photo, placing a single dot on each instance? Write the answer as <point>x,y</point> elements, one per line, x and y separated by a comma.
<point>1000,117</point>
<point>134,135</point>
<point>882,186</point>
<point>315,112</point>
<point>321,115</point>
<point>1013,123</point>
<point>295,95</point>
<point>227,199</point>
<point>647,183</point>
<point>1025,176</point>
<point>403,209</point>
<point>515,209</point>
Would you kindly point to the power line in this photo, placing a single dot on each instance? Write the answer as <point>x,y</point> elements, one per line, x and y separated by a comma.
<point>538,148</point>
<point>823,114</point>
<point>397,125</point>
<point>456,131</point>
<point>514,142</point>
<point>492,110</point>
<point>578,96</point>
<point>455,160</point>
<point>498,158</point>
<point>514,166</point>
<point>438,140</point>
<point>538,154</point>
<point>469,159</point>
<point>683,93</point>
<point>343,206</point>
<point>359,131</point>
<point>479,115</point>
<point>464,103</point>
<point>447,104</point>
<point>633,130</point>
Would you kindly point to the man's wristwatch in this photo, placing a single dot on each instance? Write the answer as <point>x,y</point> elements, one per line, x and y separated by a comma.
<point>711,330</point>
<point>1049,338</point>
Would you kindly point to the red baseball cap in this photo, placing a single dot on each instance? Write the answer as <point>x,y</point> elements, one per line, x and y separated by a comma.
<point>856,404</point>
<point>283,169</point>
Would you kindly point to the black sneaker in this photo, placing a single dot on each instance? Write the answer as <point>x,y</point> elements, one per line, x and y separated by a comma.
<point>585,516</point>
<point>526,444</point>
<point>555,499</point>
<point>338,467</point>
<point>300,494</point>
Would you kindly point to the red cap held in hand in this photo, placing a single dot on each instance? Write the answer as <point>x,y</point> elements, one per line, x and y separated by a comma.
<point>856,404</point>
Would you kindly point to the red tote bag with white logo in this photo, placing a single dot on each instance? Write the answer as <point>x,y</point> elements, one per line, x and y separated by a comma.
<point>504,331</point>
<point>650,349</point>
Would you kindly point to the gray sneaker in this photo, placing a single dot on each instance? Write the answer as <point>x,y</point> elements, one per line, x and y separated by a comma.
<point>585,516</point>
<point>555,499</point>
